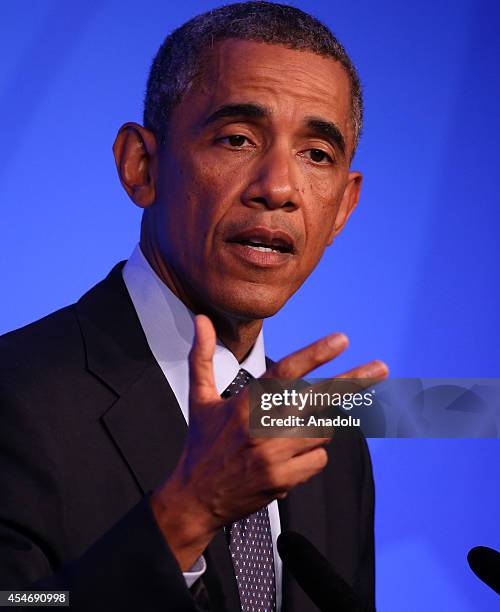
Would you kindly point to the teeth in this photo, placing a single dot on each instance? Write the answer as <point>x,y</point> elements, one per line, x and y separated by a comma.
<point>263,249</point>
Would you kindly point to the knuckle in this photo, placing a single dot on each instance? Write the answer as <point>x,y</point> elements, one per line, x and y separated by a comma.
<point>268,472</point>
<point>322,457</point>
<point>318,353</point>
<point>284,369</point>
<point>273,481</point>
<point>262,459</point>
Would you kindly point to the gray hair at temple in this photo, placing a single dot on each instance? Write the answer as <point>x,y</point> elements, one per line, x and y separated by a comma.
<point>180,59</point>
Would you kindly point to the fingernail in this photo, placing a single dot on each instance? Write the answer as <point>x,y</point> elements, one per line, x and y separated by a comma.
<point>337,340</point>
<point>378,368</point>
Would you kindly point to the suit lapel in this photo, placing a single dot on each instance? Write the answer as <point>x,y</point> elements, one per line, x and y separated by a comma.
<point>148,428</point>
<point>145,422</point>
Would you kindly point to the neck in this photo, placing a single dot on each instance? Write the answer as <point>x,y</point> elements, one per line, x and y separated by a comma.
<point>238,335</point>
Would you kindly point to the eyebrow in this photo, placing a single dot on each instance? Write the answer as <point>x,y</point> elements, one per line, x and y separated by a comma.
<point>252,111</point>
<point>327,130</point>
<point>324,128</point>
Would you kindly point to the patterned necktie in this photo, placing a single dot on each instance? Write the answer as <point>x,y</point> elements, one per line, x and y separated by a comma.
<point>251,544</point>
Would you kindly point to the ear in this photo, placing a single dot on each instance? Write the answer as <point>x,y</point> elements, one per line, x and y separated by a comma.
<point>348,203</point>
<point>135,152</point>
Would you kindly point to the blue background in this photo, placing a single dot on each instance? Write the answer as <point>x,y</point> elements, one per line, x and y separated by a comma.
<point>413,280</point>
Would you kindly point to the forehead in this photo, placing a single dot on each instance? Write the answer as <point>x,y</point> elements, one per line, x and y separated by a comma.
<point>292,83</point>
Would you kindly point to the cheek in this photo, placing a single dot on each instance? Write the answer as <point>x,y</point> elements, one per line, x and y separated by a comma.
<point>320,216</point>
<point>194,197</point>
<point>183,192</point>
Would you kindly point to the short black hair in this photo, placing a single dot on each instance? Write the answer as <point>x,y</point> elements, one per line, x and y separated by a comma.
<point>179,60</point>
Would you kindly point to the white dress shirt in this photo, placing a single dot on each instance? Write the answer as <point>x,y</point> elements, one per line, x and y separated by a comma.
<point>169,329</point>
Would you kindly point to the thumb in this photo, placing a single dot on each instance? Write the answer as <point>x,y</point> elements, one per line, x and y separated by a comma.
<point>202,387</point>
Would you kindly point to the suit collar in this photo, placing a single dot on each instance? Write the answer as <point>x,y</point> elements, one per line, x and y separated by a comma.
<point>115,346</point>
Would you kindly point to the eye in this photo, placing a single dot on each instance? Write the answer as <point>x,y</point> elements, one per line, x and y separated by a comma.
<point>235,140</point>
<point>319,156</point>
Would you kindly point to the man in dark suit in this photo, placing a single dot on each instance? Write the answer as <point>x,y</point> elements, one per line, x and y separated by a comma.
<point>252,116</point>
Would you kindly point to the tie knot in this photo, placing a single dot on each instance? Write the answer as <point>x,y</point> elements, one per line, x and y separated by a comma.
<point>240,381</point>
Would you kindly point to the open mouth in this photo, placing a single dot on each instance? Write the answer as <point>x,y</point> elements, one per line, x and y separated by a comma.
<point>265,248</point>
<point>265,240</point>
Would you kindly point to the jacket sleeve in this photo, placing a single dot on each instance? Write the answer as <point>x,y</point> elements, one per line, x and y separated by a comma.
<point>130,567</point>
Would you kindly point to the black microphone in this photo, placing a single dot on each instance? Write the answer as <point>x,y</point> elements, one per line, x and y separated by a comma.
<point>485,563</point>
<point>315,575</point>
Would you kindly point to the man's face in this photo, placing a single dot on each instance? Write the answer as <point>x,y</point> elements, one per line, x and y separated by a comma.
<point>253,180</point>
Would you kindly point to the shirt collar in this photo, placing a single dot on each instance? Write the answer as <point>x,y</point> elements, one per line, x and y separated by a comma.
<point>169,329</point>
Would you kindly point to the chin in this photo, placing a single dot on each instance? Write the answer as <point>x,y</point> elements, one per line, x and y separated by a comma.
<point>251,304</point>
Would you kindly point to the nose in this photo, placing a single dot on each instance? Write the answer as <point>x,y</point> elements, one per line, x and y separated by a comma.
<point>274,180</point>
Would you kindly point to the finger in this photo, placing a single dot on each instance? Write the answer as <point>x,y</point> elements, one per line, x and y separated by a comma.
<point>305,360</point>
<point>202,387</point>
<point>283,449</point>
<point>299,469</point>
<point>373,371</point>
<point>353,381</point>
<point>301,445</point>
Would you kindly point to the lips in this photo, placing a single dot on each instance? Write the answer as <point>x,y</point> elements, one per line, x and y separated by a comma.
<point>265,240</point>
<point>261,248</point>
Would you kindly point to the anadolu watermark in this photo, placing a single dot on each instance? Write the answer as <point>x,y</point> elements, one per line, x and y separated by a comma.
<point>393,408</point>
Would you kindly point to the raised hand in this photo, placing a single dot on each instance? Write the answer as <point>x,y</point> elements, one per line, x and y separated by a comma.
<point>224,474</point>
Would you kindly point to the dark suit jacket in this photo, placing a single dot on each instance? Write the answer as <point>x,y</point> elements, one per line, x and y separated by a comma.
<point>89,426</point>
